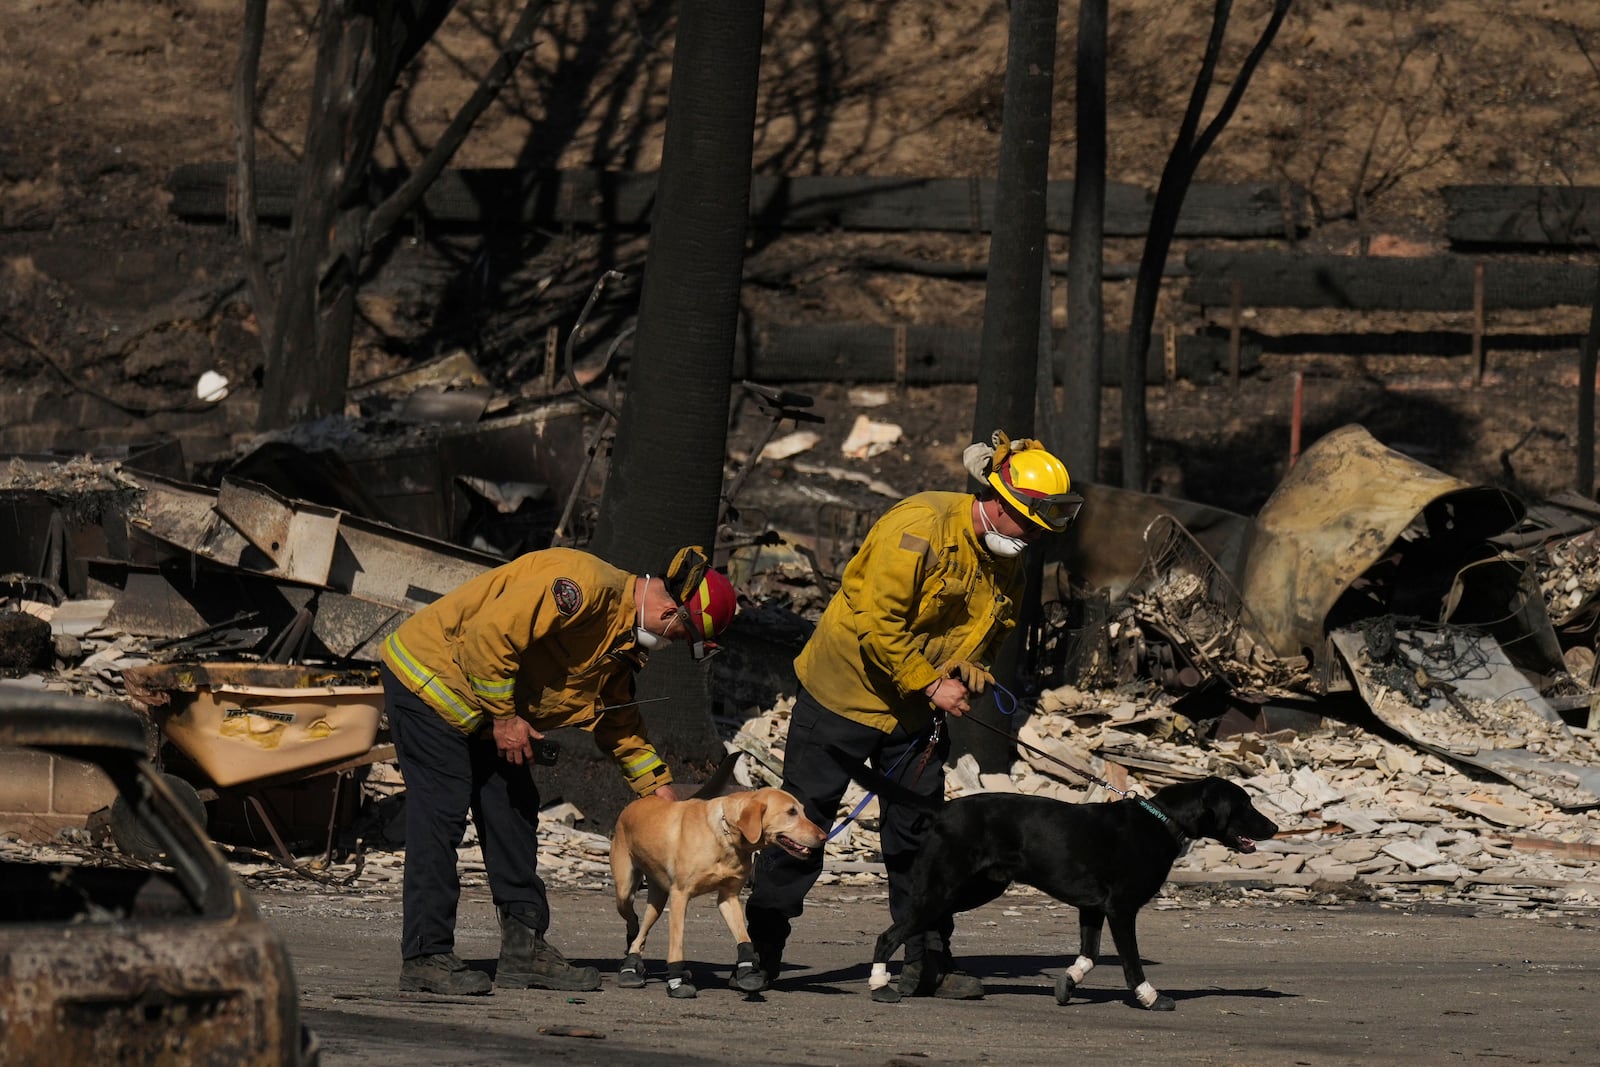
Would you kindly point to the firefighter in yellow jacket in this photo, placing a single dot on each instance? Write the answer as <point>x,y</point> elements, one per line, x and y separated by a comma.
<point>471,682</point>
<point>921,609</point>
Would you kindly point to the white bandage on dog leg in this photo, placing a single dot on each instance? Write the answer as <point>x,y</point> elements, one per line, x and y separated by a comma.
<point>1147,994</point>
<point>1080,968</point>
<point>880,976</point>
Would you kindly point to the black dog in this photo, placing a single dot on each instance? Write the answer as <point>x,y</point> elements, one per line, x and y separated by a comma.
<point>1107,860</point>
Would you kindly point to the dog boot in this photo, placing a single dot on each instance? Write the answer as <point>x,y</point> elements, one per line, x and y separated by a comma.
<point>680,986</point>
<point>748,976</point>
<point>631,974</point>
<point>442,973</point>
<point>527,961</point>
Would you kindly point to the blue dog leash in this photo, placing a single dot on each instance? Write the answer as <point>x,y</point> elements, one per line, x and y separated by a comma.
<point>838,827</point>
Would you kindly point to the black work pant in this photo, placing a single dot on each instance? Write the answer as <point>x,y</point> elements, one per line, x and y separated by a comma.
<point>447,774</point>
<point>818,781</point>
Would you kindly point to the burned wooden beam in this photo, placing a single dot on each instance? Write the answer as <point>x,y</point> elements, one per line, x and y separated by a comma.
<point>619,200</point>
<point>1528,216</point>
<point>1375,283</point>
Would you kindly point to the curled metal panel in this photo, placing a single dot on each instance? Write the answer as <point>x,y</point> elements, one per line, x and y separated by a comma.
<point>1339,512</point>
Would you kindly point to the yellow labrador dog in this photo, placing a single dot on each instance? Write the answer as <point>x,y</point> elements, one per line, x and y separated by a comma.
<point>683,849</point>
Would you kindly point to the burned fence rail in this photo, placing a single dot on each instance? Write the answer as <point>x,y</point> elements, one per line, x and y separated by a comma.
<point>203,192</point>
<point>1526,216</point>
<point>1373,283</point>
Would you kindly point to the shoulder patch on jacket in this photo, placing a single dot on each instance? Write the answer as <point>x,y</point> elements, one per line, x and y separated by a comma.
<point>912,543</point>
<point>569,598</point>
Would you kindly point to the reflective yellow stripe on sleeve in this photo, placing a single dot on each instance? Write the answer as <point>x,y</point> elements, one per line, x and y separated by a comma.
<point>641,765</point>
<point>427,685</point>
<point>492,690</point>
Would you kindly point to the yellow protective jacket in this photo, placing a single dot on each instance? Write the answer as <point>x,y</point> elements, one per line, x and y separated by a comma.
<point>920,595</point>
<point>548,636</point>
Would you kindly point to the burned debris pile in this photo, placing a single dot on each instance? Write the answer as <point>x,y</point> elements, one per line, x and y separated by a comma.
<point>1399,666</point>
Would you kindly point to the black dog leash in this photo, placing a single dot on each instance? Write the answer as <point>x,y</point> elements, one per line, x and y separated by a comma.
<point>1009,736</point>
<point>1144,802</point>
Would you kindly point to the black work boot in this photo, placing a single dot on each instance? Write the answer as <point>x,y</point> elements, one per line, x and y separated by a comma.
<point>956,984</point>
<point>442,973</point>
<point>942,979</point>
<point>911,978</point>
<point>527,961</point>
<point>769,932</point>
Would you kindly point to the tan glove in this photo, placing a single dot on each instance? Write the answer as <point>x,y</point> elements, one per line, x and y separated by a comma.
<point>974,677</point>
<point>977,459</point>
<point>1004,446</point>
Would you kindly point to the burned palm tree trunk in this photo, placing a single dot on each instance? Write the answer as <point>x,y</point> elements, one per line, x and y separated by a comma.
<point>1188,150</point>
<point>1008,366</point>
<point>665,481</point>
<point>1080,429</point>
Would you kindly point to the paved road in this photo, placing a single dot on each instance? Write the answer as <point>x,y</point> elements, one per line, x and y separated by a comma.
<point>1255,984</point>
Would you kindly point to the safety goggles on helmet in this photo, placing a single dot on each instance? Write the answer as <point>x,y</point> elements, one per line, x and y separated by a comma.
<point>1054,510</point>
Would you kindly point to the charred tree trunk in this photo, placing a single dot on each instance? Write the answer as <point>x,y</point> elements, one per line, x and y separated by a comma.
<point>1080,433</point>
<point>1009,357</point>
<point>361,50</point>
<point>665,481</point>
<point>1187,152</point>
<point>1586,374</point>
<point>1009,354</point>
<point>364,45</point>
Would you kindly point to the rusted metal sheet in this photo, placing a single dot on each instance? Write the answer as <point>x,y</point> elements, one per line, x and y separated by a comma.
<point>298,538</point>
<point>370,561</point>
<point>184,990</point>
<point>1348,506</point>
<point>1455,692</point>
<point>345,625</point>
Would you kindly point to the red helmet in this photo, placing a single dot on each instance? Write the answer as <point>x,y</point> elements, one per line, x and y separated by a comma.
<point>708,610</point>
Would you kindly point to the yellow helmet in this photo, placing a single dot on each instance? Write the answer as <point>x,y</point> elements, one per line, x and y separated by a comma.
<point>1037,485</point>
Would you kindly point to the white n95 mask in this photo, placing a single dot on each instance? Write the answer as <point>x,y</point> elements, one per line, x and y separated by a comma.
<point>1002,545</point>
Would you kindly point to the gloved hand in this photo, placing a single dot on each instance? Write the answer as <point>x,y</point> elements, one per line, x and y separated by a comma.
<point>1004,446</point>
<point>977,459</point>
<point>974,677</point>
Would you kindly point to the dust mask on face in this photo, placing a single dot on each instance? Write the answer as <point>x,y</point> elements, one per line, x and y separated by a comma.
<point>1002,545</point>
<point>647,639</point>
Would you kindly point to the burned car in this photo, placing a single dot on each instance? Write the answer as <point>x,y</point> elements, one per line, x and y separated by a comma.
<point>103,960</point>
